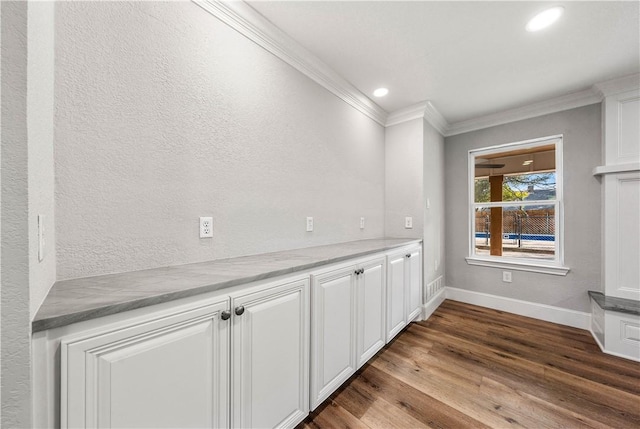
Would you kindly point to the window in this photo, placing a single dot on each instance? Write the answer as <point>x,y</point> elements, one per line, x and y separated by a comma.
<point>515,206</point>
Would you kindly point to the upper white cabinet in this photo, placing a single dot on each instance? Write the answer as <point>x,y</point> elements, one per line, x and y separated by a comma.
<point>404,288</point>
<point>270,355</point>
<point>622,128</point>
<point>171,371</point>
<point>348,323</point>
<point>621,196</point>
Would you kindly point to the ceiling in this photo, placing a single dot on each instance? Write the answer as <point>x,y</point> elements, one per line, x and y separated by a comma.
<point>470,59</point>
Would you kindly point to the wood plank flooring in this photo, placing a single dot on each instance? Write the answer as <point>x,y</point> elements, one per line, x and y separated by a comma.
<point>473,367</point>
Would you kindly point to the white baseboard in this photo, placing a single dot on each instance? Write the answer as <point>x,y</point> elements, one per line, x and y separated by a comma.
<point>429,307</point>
<point>595,337</point>
<point>562,316</point>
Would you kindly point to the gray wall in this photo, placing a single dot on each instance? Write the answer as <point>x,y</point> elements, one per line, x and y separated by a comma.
<point>581,128</point>
<point>403,179</point>
<point>164,114</point>
<point>40,75</point>
<point>434,218</point>
<point>15,327</point>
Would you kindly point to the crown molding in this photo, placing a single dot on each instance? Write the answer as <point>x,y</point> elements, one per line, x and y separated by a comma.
<point>248,22</point>
<point>405,114</point>
<point>553,105</point>
<point>615,86</point>
<point>437,121</point>
<point>423,110</point>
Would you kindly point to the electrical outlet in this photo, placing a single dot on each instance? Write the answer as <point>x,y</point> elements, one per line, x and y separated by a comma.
<point>408,222</point>
<point>506,276</point>
<point>206,227</point>
<point>309,224</point>
<point>361,223</point>
<point>41,240</point>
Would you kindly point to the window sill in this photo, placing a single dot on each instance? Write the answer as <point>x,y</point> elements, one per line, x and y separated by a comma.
<point>518,265</point>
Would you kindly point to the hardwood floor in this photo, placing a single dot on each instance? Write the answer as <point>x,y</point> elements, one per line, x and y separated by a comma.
<point>474,367</point>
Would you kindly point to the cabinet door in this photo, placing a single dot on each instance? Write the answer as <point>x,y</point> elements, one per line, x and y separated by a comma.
<point>371,309</point>
<point>414,284</point>
<point>396,294</point>
<point>168,372</point>
<point>270,355</point>
<point>333,332</point>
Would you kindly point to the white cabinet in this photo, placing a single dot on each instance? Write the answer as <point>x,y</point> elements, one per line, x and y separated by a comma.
<point>404,288</point>
<point>348,323</point>
<point>171,371</point>
<point>371,296</point>
<point>257,355</point>
<point>396,294</point>
<point>270,355</point>
<point>180,369</point>
<point>333,331</point>
<point>414,283</point>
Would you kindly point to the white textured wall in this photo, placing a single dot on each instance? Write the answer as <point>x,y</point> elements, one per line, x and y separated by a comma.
<point>40,75</point>
<point>434,218</point>
<point>581,128</point>
<point>404,178</point>
<point>15,366</point>
<point>164,114</point>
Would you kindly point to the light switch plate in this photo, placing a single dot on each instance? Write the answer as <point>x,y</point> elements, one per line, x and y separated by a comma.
<point>361,223</point>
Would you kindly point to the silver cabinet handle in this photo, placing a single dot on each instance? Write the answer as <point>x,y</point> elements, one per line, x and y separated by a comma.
<point>239,310</point>
<point>225,315</point>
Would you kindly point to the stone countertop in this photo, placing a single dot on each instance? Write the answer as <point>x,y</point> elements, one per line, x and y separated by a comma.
<point>611,303</point>
<point>77,300</point>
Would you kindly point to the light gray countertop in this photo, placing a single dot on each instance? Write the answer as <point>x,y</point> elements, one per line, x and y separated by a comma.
<point>77,300</point>
<point>613,303</point>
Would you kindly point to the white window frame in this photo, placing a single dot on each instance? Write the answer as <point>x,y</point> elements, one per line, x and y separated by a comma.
<point>555,266</point>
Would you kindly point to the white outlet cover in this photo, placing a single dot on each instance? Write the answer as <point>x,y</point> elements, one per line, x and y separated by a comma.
<point>206,227</point>
<point>506,276</point>
<point>309,224</point>
<point>408,222</point>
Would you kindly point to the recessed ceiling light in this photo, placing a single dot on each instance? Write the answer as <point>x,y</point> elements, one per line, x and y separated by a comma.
<point>380,92</point>
<point>544,18</point>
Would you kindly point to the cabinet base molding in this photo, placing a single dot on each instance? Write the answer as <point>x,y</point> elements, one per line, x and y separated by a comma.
<point>615,332</point>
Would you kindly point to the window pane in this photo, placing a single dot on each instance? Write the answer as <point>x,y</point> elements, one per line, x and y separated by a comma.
<point>519,187</point>
<point>516,231</point>
<point>529,187</point>
<point>516,174</point>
